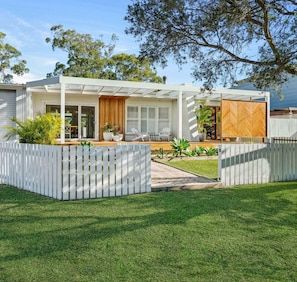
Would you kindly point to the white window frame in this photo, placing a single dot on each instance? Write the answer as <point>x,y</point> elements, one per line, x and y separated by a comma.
<point>139,116</point>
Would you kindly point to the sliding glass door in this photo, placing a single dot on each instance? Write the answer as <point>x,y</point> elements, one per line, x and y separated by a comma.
<point>79,121</point>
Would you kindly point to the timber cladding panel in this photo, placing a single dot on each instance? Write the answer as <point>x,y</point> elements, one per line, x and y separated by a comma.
<point>243,119</point>
<point>112,110</point>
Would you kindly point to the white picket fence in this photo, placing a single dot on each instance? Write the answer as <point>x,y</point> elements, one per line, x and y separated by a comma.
<point>257,163</point>
<point>76,172</point>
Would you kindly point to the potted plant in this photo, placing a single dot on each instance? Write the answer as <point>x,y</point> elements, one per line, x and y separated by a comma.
<point>204,118</point>
<point>117,136</point>
<point>107,132</point>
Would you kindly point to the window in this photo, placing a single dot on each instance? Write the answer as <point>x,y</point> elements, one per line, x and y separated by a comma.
<point>163,119</point>
<point>147,119</point>
<point>132,118</point>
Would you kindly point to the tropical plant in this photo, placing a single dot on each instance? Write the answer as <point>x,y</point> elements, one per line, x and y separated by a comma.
<point>85,143</point>
<point>44,129</point>
<point>211,151</point>
<point>198,151</point>
<point>108,127</point>
<point>203,115</point>
<point>116,130</point>
<point>189,153</point>
<point>180,146</point>
<point>161,153</point>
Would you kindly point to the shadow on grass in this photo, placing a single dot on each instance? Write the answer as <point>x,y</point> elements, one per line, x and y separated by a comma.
<point>41,227</point>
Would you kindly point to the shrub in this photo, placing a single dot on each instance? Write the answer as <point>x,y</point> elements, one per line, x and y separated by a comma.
<point>211,151</point>
<point>85,143</point>
<point>44,129</point>
<point>161,153</point>
<point>180,146</point>
<point>190,153</point>
<point>198,151</point>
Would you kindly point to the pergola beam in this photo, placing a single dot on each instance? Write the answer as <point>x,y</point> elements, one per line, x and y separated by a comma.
<point>146,88</point>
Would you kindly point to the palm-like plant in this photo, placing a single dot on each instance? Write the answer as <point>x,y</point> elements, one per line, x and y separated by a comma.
<point>180,146</point>
<point>203,115</point>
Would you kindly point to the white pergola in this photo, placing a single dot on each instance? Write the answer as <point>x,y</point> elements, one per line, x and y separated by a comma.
<point>100,87</point>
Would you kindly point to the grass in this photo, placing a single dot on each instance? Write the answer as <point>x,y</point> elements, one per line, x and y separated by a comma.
<point>246,233</point>
<point>207,168</point>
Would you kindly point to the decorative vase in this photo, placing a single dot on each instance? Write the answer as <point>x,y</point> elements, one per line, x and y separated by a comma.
<point>117,138</point>
<point>84,132</point>
<point>107,136</point>
<point>201,136</point>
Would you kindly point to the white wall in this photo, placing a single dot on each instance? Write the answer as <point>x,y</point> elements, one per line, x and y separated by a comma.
<point>283,127</point>
<point>7,110</point>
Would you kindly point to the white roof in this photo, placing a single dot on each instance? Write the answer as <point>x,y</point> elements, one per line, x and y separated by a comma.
<point>99,87</point>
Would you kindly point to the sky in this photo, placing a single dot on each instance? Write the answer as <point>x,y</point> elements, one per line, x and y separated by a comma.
<point>27,23</point>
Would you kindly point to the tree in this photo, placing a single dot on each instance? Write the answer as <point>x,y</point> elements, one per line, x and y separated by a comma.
<point>224,39</point>
<point>10,62</point>
<point>92,58</point>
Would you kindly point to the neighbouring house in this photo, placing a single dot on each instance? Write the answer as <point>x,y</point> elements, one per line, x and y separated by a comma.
<point>85,105</point>
<point>283,108</point>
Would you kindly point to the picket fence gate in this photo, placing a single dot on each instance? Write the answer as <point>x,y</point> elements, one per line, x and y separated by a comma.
<point>76,172</point>
<point>257,163</point>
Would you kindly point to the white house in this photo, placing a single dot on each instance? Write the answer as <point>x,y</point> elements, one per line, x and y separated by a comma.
<point>87,104</point>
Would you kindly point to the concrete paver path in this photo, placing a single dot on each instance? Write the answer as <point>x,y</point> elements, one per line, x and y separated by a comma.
<point>164,176</point>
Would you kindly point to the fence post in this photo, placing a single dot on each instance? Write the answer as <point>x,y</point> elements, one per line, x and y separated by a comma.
<point>220,163</point>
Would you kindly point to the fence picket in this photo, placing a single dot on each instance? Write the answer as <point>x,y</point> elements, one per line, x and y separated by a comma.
<point>99,172</point>
<point>105,165</point>
<point>118,170</point>
<point>79,173</point>
<point>72,173</point>
<point>92,173</point>
<point>65,173</point>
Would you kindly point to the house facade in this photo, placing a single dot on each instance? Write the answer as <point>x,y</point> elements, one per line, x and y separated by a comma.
<point>85,105</point>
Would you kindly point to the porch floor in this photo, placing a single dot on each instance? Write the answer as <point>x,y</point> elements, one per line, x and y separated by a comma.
<point>155,145</point>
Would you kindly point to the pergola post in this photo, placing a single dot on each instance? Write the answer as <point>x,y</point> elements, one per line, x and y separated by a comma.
<point>180,115</point>
<point>62,113</point>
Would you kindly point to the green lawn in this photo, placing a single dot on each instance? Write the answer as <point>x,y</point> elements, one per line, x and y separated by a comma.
<point>207,168</point>
<point>246,233</point>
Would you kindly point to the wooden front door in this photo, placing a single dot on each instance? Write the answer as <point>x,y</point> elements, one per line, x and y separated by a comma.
<point>243,119</point>
<point>111,110</point>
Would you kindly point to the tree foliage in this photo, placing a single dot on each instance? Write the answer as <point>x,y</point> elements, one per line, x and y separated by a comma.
<point>10,62</point>
<point>225,39</point>
<point>93,58</point>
